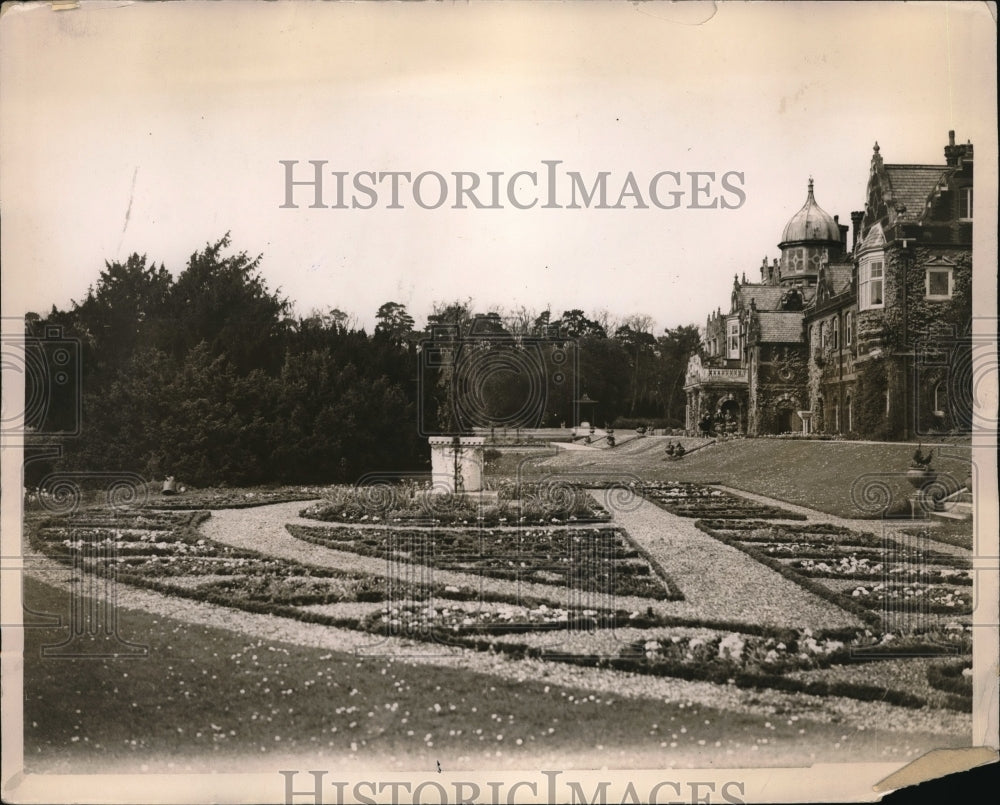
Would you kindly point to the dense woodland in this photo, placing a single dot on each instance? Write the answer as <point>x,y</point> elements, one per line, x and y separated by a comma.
<point>207,376</point>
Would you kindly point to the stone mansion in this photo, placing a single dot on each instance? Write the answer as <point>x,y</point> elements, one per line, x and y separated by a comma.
<point>868,338</point>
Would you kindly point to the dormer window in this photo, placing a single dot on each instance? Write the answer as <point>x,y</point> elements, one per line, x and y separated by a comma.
<point>965,204</point>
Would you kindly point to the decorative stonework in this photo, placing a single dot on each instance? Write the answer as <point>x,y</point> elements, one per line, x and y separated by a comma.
<point>457,463</point>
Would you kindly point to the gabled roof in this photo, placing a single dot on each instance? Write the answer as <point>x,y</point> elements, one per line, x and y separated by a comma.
<point>911,186</point>
<point>780,327</point>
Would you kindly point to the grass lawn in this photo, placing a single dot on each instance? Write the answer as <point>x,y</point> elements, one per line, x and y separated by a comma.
<point>209,699</point>
<point>817,474</point>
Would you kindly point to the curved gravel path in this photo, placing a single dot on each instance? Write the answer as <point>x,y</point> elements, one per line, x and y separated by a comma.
<point>719,582</point>
<point>263,529</point>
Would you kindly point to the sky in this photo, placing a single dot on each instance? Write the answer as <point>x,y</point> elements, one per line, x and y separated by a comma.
<point>157,128</point>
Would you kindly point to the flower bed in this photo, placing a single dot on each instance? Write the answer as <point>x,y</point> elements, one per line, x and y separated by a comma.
<point>516,504</point>
<point>936,598</point>
<point>434,622</point>
<point>824,560</point>
<point>698,500</point>
<point>153,559</point>
<point>205,499</point>
<point>750,661</point>
<point>592,559</point>
<point>855,567</point>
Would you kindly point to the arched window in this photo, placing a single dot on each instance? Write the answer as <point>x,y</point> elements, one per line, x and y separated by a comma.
<point>835,332</point>
<point>940,397</point>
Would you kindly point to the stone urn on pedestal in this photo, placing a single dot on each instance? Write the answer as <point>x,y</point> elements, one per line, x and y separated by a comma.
<point>922,477</point>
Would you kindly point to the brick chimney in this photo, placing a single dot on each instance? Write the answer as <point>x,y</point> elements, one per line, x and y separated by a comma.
<point>954,154</point>
<point>843,233</point>
<point>856,218</point>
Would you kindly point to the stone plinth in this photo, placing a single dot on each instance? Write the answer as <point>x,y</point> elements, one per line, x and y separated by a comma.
<point>457,463</point>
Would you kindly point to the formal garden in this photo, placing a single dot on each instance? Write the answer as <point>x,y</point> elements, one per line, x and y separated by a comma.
<point>588,586</point>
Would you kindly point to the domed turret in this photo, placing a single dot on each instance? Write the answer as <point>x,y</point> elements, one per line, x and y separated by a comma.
<point>812,222</point>
<point>811,238</point>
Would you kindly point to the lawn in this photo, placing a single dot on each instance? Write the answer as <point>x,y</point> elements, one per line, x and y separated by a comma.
<point>829,476</point>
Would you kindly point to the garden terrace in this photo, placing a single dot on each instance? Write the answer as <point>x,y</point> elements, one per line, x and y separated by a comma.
<point>734,635</point>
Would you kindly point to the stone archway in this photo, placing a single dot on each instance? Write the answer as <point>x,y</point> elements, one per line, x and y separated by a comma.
<point>786,417</point>
<point>730,411</point>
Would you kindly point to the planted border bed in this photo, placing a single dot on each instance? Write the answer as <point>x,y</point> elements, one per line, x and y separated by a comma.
<point>699,500</point>
<point>208,499</point>
<point>592,559</point>
<point>826,561</point>
<point>408,503</point>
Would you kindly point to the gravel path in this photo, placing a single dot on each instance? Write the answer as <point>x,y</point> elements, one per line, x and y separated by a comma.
<point>849,712</point>
<point>263,529</point>
<point>720,582</point>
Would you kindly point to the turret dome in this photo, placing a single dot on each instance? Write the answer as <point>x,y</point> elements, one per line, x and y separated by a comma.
<point>811,223</point>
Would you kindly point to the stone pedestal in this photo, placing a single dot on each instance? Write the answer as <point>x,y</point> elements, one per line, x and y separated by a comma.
<point>457,463</point>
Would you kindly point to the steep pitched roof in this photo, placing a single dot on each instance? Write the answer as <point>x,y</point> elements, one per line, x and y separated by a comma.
<point>911,185</point>
<point>780,327</point>
<point>765,297</point>
<point>840,276</point>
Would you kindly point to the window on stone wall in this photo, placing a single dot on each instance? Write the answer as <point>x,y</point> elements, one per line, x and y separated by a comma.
<point>870,284</point>
<point>835,332</point>
<point>848,328</point>
<point>938,283</point>
<point>850,413</point>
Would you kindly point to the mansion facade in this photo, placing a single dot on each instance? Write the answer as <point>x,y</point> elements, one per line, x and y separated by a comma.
<point>869,338</point>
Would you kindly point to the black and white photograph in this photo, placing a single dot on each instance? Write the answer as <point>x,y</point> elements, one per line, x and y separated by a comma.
<point>497,402</point>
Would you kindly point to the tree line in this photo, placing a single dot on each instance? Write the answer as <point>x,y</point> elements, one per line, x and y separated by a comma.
<point>209,377</point>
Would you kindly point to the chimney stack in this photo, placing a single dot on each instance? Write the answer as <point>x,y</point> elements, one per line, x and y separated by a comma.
<point>954,154</point>
<point>856,219</point>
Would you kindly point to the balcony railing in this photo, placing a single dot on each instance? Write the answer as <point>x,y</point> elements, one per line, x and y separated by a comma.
<point>711,373</point>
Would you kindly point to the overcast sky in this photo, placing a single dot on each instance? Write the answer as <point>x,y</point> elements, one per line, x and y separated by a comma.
<point>158,127</point>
